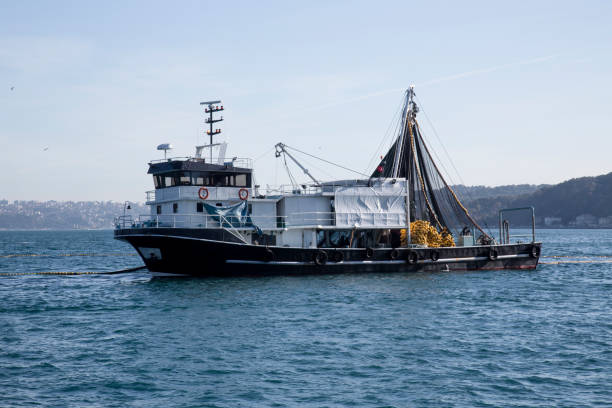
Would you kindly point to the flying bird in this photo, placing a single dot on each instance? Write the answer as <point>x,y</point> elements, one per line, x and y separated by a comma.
<point>12,87</point>
<point>45,149</point>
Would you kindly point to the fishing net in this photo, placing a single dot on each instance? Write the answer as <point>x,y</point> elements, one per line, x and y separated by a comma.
<point>431,199</point>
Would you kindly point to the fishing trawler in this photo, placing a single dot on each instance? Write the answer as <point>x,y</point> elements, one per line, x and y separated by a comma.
<point>207,217</point>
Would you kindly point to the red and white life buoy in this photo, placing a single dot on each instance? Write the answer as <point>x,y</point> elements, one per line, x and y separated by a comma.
<point>243,194</point>
<point>203,193</point>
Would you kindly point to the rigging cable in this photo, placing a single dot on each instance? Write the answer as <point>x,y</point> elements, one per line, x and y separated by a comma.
<point>418,169</point>
<point>275,173</point>
<point>259,157</point>
<point>436,134</point>
<point>467,214</point>
<point>291,179</point>
<point>466,190</point>
<point>386,134</point>
<point>263,154</point>
<point>327,161</point>
<point>442,145</point>
<point>310,165</point>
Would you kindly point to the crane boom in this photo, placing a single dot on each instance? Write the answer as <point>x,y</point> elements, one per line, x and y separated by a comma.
<point>280,148</point>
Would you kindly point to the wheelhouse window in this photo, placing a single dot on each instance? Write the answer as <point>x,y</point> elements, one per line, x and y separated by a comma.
<point>241,180</point>
<point>182,179</point>
<point>220,180</point>
<point>202,178</point>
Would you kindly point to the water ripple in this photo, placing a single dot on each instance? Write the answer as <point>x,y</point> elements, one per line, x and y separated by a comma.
<point>474,339</point>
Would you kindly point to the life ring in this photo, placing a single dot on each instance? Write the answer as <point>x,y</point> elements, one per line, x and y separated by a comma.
<point>243,194</point>
<point>435,255</point>
<point>492,254</point>
<point>320,258</point>
<point>394,254</point>
<point>337,256</point>
<point>412,258</point>
<point>535,252</point>
<point>203,193</point>
<point>369,253</point>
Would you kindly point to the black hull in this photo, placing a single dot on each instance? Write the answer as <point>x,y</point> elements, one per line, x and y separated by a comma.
<point>200,252</point>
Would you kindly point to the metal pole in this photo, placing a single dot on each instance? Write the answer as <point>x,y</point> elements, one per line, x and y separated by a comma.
<point>517,209</point>
<point>532,224</point>
<point>501,236</point>
<point>408,213</point>
<point>210,112</point>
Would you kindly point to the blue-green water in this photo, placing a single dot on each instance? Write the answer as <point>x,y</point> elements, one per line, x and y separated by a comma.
<point>476,339</point>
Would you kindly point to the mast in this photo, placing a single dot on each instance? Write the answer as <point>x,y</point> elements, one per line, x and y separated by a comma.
<point>409,112</point>
<point>412,110</point>
<point>213,106</point>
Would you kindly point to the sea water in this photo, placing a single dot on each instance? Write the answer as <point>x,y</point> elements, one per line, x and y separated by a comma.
<point>448,339</point>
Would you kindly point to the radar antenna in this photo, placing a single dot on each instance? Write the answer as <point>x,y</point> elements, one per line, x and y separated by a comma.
<point>211,108</point>
<point>165,147</point>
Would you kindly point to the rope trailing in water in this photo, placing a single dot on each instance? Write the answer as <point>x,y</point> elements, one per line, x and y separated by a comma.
<point>576,262</point>
<point>577,257</point>
<point>80,254</point>
<point>128,270</point>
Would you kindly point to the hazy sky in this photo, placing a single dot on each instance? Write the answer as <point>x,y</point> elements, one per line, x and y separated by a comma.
<point>518,92</point>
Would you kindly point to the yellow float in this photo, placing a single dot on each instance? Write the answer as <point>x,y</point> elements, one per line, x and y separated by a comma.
<point>423,233</point>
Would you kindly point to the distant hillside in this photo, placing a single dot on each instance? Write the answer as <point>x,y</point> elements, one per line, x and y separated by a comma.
<point>62,214</point>
<point>476,192</point>
<point>579,202</point>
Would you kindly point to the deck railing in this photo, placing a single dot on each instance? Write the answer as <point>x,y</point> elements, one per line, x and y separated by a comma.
<point>304,189</point>
<point>305,219</point>
<point>242,162</point>
<point>268,190</point>
<point>504,225</point>
<point>183,221</point>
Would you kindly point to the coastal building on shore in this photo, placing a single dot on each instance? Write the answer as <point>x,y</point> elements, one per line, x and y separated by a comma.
<point>552,221</point>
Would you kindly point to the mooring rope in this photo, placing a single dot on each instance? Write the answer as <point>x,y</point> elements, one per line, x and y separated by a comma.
<point>69,273</point>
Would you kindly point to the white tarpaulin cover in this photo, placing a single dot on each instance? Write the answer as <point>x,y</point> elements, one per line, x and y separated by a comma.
<point>381,205</point>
